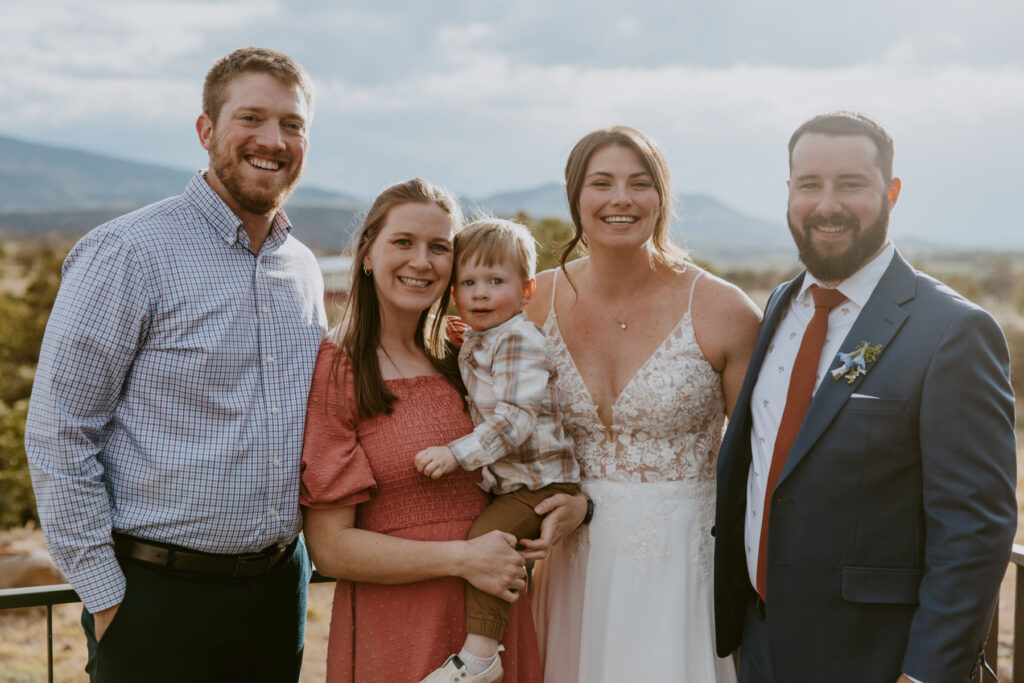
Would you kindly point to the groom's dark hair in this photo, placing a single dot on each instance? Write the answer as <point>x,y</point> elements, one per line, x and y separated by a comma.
<point>850,123</point>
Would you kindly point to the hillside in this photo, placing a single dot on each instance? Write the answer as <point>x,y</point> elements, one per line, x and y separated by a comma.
<point>53,190</point>
<point>39,178</point>
<point>712,230</point>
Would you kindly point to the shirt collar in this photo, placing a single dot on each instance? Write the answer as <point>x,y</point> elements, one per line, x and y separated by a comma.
<point>491,331</point>
<point>220,216</point>
<point>859,286</point>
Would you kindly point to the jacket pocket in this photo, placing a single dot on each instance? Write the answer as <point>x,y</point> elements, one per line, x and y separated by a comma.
<point>876,405</point>
<point>889,585</point>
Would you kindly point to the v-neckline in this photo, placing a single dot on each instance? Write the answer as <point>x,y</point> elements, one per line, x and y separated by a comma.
<point>628,384</point>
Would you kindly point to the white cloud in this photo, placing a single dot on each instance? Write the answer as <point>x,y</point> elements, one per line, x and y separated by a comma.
<point>79,60</point>
<point>488,96</point>
<point>121,37</point>
<point>707,97</point>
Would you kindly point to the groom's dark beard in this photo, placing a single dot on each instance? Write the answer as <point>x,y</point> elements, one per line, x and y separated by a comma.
<point>838,267</point>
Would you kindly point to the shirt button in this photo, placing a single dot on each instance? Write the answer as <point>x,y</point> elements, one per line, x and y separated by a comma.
<point>273,410</point>
<point>277,462</point>
<point>264,309</point>
<point>273,512</point>
<point>270,359</point>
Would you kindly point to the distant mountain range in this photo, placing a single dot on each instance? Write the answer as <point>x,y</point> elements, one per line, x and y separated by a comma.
<point>45,189</point>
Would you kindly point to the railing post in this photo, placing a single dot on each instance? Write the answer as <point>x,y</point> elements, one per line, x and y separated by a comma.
<point>992,643</point>
<point>49,642</point>
<point>1018,624</point>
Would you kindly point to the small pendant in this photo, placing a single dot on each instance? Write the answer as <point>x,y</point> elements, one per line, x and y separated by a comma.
<point>622,323</point>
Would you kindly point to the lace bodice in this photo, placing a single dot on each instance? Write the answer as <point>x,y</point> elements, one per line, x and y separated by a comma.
<point>666,423</point>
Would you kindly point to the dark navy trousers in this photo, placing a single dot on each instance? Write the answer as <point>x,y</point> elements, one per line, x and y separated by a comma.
<point>181,626</point>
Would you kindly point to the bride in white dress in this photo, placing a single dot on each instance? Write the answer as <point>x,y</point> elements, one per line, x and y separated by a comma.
<point>650,353</point>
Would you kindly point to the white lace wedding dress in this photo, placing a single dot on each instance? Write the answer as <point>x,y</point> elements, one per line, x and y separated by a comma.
<point>629,598</point>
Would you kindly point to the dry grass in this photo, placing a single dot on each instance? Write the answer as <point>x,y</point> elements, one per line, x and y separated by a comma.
<point>23,645</point>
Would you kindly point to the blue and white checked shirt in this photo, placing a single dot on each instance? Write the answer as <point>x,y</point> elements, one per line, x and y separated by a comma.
<point>169,402</point>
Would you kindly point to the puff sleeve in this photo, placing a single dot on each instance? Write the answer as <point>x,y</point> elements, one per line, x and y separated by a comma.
<point>335,470</point>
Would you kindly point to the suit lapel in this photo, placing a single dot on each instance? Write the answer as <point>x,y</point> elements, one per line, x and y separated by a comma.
<point>734,456</point>
<point>773,312</point>
<point>777,303</point>
<point>877,323</point>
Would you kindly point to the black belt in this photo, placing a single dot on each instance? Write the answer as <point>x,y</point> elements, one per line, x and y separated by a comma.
<point>171,557</point>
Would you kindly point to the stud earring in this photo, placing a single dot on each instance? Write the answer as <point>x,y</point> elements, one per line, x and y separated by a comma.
<point>367,271</point>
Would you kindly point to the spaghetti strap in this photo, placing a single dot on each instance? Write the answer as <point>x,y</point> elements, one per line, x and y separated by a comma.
<point>554,283</point>
<point>693,286</point>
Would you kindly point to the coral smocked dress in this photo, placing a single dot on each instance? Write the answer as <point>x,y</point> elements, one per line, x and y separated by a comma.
<point>398,633</point>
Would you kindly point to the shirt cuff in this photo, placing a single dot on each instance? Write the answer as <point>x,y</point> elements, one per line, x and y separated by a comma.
<point>103,587</point>
<point>468,451</point>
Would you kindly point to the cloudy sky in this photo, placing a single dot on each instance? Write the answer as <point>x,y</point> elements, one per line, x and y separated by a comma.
<point>487,96</point>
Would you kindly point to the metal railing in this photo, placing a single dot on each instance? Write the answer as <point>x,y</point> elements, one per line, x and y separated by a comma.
<point>48,596</point>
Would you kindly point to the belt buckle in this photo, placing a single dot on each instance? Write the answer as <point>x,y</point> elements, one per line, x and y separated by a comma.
<point>250,564</point>
<point>258,563</point>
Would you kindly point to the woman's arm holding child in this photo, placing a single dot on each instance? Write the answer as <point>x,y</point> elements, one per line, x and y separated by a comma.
<point>340,550</point>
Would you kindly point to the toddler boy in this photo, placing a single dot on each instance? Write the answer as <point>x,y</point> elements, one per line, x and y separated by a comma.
<point>518,441</point>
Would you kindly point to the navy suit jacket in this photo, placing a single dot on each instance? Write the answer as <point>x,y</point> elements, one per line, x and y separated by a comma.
<point>892,522</point>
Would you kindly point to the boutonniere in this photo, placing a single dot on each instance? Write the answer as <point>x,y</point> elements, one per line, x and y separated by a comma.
<point>855,363</point>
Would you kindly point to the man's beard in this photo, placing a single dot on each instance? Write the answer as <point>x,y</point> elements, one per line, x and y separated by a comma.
<point>261,198</point>
<point>838,267</point>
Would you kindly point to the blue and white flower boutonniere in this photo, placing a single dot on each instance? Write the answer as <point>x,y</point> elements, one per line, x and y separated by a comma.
<point>855,363</point>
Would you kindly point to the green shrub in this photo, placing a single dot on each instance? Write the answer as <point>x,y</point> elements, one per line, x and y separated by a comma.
<point>24,317</point>
<point>17,502</point>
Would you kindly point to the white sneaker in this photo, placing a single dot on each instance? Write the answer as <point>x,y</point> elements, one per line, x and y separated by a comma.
<point>454,671</point>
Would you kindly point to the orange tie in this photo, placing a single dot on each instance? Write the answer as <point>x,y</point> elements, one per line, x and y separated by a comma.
<point>798,400</point>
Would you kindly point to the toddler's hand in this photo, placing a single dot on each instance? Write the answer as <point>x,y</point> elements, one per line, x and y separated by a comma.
<point>435,461</point>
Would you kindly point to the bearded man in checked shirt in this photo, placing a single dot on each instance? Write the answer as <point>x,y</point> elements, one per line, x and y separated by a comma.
<point>165,425</point>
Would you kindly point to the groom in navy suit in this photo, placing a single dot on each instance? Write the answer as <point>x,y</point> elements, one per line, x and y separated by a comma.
<point>866,503</point>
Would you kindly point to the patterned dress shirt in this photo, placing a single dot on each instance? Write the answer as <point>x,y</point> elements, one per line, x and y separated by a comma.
<point>518,439</point>
<point>169,401</point>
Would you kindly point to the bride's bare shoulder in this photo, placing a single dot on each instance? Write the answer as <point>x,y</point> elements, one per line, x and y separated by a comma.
<point>725,319</point>
<point>540,303</point>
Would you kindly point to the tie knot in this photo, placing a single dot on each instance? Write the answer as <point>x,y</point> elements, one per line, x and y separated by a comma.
<point>826,298</point>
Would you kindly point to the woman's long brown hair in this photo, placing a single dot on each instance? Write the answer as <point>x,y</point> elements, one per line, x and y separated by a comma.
<point>358,334</point>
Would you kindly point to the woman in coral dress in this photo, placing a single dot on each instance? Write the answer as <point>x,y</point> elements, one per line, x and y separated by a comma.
<point>650,352</point>
<point>386,386</point>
